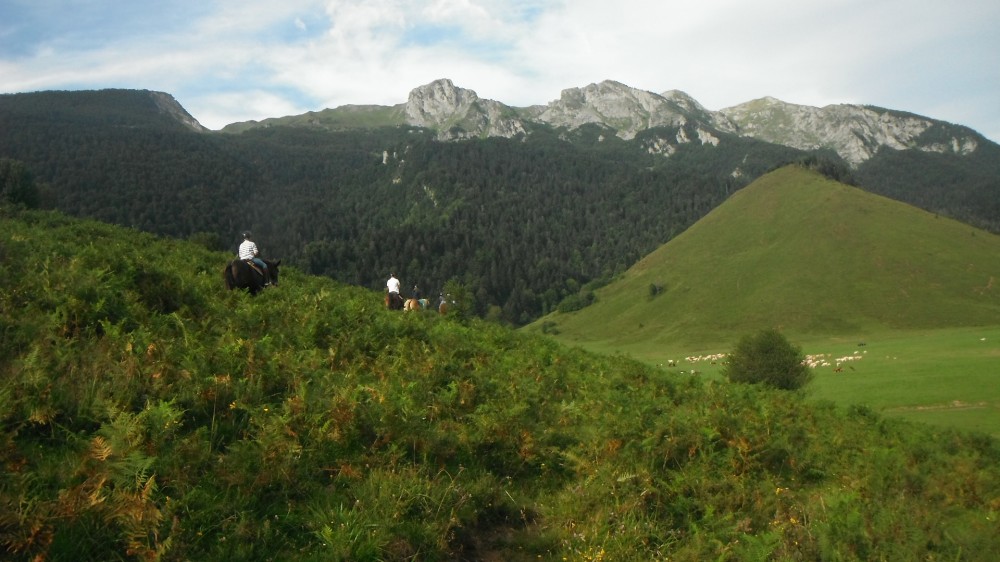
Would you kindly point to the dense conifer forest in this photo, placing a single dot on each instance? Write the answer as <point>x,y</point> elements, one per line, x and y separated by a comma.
<point>522,223</point>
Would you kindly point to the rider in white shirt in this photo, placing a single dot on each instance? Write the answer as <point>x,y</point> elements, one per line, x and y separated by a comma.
<point>249,252</point>
<point>392,284</point>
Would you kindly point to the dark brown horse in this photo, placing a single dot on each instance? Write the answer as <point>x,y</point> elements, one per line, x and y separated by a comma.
<point>394,301</point>
<point>239,274</point>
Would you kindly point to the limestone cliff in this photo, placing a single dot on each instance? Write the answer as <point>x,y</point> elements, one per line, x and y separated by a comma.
<point>856,132</point>
<point>457,113</point>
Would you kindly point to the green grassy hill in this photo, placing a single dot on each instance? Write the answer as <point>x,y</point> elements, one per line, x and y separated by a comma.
<point>341,118</point>
<point>148,414</point>
<point>800,252</point>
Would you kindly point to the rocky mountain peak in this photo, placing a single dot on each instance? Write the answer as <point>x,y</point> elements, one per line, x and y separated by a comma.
<point>441,99</point>
<point>684,101</point>
<point>613,104</point>
<point>855,132</point>
<point>459,113</point>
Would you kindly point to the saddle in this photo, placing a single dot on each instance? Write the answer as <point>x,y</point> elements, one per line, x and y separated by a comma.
<point>254,267</point>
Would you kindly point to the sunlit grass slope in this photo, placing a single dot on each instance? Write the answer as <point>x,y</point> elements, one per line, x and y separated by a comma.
<point>803,253</point>
<point>344,117</point>
<point>148,414</point>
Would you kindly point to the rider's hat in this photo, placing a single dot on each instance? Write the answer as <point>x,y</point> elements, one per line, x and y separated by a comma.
<point>246,234</point>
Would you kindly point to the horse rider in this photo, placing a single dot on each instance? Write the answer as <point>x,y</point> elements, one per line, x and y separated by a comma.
<point>393,286</point>
<point>249,252</point>
<point>416,293</point>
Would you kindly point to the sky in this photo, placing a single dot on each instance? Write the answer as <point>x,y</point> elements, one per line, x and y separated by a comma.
<point>235,60</point>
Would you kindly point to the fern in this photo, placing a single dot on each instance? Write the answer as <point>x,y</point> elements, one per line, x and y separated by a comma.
<point>185,422</point>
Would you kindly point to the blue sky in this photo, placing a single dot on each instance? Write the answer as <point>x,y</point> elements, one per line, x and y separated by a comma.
<point>235,60</point>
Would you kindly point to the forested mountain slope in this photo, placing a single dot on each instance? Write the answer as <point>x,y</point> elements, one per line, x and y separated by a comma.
<point>523,221</point>
<point>147,413</point>
<point>938,166</point>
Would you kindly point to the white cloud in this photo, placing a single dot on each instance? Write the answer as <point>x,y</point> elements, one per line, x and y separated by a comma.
<point>220,109</point>
<point>913,55</point>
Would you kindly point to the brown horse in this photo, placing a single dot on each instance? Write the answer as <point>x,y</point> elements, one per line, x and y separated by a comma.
<point>238,274</point>
<point>411,304</point>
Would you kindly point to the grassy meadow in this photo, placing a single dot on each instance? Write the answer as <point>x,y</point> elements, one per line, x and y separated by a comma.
<point>831,266</point>
<point>947,377</point>
<point>148,414</point>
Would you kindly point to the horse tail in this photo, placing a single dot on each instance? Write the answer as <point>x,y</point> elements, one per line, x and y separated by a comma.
<point>228,278</point>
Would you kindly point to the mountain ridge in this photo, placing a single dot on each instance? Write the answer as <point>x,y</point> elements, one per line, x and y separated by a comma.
<point>855,132</point>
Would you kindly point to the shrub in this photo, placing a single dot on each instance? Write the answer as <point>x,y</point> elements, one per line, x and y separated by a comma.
<point>577,301</point>
<point>654,290</point>
<point>769,358</point>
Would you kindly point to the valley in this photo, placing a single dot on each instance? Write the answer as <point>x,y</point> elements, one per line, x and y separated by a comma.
<point>945,377</point>
<point>894,306</point>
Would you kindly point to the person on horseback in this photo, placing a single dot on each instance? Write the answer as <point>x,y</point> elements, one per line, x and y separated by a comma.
<point>393,300</point>
<point>416,292</point>
<point>249,252</point>
<point>392,285</point>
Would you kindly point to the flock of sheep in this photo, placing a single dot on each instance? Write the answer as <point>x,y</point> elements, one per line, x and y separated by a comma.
<point>824,360</point>
<point>812,361</point>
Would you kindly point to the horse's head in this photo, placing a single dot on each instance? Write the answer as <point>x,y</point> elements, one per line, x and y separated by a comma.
<point>272,271</point>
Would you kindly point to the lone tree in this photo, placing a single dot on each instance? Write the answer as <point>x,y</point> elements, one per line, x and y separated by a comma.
<point>769,358</point>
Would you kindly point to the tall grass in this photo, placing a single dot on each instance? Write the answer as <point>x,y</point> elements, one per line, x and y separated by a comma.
<point>146,413</point>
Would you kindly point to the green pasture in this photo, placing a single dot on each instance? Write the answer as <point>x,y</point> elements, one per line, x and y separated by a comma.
<point>831,267</point>
<point>946,377</point>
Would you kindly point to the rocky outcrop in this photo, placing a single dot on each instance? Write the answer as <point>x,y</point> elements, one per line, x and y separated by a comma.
<point>625,110</point>
<point>457,113</point>
<point>167,104</point>
<point>855,132</point>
